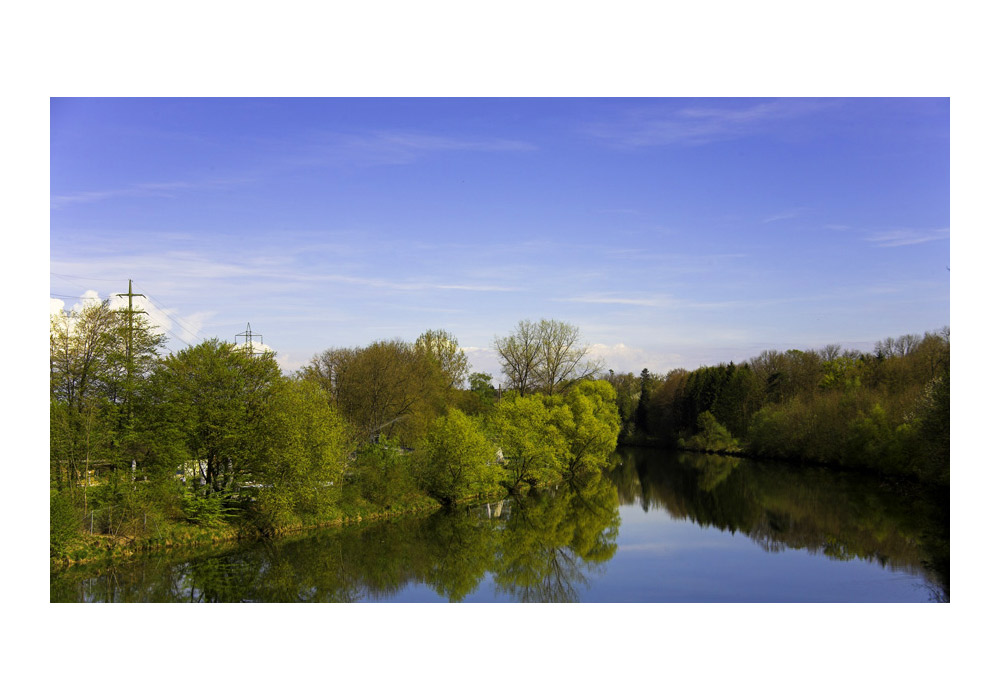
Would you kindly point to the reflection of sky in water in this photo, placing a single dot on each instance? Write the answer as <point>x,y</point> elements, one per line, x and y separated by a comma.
<point>551,547</point>
<point>660,559</point>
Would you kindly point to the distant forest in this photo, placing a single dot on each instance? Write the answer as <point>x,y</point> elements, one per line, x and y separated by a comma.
<point>885,410</point>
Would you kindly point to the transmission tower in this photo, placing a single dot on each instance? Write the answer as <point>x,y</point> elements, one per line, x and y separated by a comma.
<point>128,344</point>
<point>248,341</point>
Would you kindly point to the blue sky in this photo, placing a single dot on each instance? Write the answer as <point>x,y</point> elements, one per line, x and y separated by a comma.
<point>673,232</point>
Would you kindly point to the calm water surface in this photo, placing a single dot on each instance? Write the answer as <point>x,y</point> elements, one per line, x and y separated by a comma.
<point>662,527</point>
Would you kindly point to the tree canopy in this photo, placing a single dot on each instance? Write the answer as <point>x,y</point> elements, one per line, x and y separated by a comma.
<point>546,356</point>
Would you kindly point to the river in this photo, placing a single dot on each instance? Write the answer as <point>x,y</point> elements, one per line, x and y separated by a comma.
<point>662,526</point>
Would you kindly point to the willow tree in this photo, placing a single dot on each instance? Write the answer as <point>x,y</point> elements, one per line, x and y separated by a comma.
<point>456,460</point>
<point>533,447</point>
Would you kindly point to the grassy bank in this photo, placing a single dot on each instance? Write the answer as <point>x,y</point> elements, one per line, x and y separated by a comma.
<point>87,548</point>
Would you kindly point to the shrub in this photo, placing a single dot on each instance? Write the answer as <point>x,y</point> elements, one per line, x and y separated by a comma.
<point>64,521</point>
<point>382,473</point>
<point>712,436</point>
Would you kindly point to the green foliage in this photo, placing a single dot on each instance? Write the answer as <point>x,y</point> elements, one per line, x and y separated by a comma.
<point>389,388</point>
<point>873,440</point>
<point>628,391</point>
<point>303,448</point>
<point>220,395</point>
<point>98,360</point>
<point>481,396</point>
<point>534,448</point>
<point>642,422</point>
<point>64,521</point>
<point>455,459</point>
<point>207,509</point>
<point>587,417</point>
<point>932,429</point>
<point>383,473</point>
<point>843,373</point>
<point>712,436</point>
<point>885,411</point>
<point>445,355</point>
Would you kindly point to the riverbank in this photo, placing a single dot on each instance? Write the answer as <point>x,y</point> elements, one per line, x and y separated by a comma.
<point>93,548</point>
<point>89,549</point>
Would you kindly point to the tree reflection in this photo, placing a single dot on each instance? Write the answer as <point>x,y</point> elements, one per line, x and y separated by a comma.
<point>538,548</point>
<point>842,515</point>
<point>552,541</point>
<point>547,545</point>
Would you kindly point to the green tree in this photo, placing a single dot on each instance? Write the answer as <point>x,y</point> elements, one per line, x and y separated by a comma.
<point>587,417</point>
<point>712,436</point>
<point>534,449</point>
<point>387,388</point>
<point>456,459</point>
<point>91,399</point>
<point>481,396</point>
<point>642,422</point>
<point>303,453</point>
<point>221,396</point>
<point>444,352</point>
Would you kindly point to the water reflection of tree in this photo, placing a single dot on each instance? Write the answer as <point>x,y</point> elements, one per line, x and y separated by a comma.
<point>840,515</point>
<point>542,548</point>
<point>552,542</point>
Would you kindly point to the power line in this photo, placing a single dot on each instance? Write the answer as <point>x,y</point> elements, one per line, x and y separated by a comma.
<point>159,307</point>
<point>68,296</point>
<point>177,337</point>
<point>93,279</point>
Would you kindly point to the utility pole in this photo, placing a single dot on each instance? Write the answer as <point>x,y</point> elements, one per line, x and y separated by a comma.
<point>129,362</point>
<point>248,341</point>
<point>128,347</point>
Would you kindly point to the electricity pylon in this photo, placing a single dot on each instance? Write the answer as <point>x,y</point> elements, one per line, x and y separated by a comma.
<point>248,341</point>
<point>128,346</point>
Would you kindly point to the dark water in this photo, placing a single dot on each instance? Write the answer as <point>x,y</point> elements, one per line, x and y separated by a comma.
<point>662,527</point>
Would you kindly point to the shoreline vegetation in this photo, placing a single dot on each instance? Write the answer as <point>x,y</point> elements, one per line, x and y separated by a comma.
<point>213,444</point>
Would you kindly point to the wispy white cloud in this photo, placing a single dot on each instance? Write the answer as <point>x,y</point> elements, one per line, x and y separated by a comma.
<point>694,126</point>
<point>147,189</point>
<point>390,147</point>
<point>906,236</point>
<point>400,285</point>
<point>629,358</point>
<point>610,299</point>
<point>781,216</point>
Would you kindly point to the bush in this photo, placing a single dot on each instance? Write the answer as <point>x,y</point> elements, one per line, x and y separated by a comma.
<point>210,509</point>
<point>64,521</point>
<point>382,473</point>
<point>712,436</point>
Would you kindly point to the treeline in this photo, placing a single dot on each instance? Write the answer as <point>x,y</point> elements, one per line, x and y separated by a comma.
<point>887,410</point>
<point>142,442</point>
